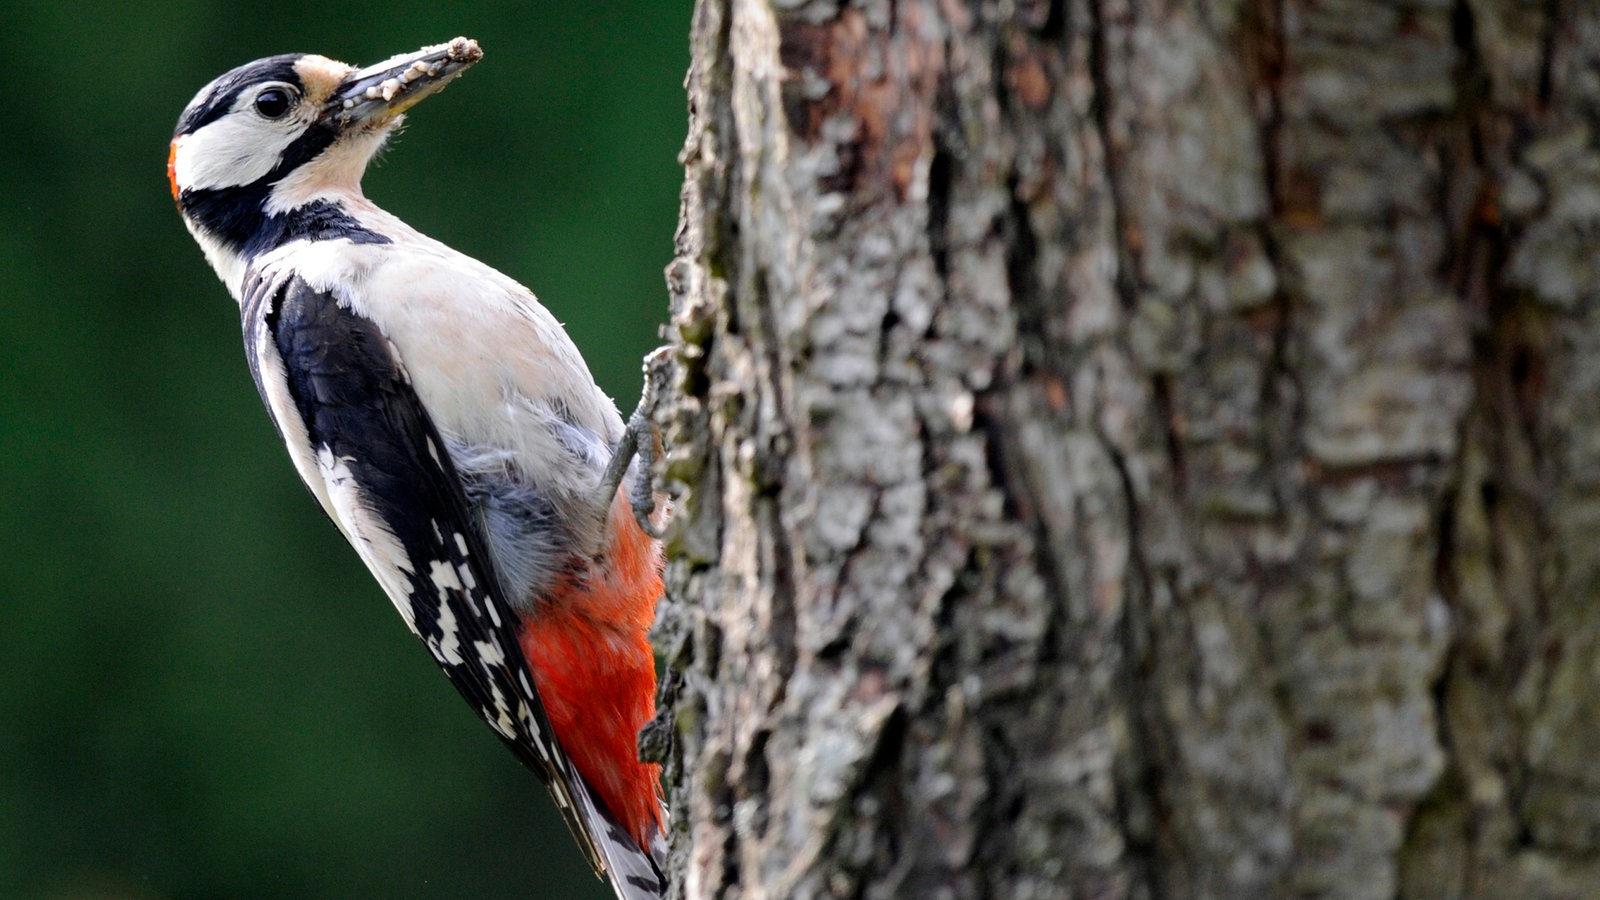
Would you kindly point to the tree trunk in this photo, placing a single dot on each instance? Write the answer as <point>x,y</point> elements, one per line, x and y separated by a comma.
<point>1137,448</point>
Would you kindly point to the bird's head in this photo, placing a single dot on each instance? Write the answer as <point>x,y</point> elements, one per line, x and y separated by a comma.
<point>283,132</point>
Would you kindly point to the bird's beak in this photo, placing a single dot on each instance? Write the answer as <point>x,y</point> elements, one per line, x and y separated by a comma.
<point>380,92</point>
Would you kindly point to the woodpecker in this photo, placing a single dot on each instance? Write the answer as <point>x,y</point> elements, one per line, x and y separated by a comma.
<point>446,424</point>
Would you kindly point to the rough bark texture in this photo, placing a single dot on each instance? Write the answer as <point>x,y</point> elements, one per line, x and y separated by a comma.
<point>1137,448</point>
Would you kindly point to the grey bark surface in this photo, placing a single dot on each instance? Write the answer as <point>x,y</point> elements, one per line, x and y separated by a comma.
<point>1136,448</point>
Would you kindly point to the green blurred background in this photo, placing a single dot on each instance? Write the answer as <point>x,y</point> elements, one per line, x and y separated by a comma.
<point>202,693</point>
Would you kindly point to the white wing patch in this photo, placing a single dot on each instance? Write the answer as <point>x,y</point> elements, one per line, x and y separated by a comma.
<point>490,653</point>
<point>374,542</point>
<point>503,722</point>
<point>447,647</point>
<point>444,577</point>
<point>274,383</point>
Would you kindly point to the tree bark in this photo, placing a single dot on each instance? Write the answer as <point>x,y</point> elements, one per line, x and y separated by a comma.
<point>1136,448</point>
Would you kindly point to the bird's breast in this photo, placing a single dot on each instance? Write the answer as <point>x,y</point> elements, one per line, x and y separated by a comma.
<point>480,350</point>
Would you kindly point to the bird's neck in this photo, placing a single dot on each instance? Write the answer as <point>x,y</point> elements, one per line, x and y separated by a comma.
<point>234,231</point>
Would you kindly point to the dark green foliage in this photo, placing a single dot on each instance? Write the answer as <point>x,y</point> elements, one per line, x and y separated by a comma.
<point>202,693</point>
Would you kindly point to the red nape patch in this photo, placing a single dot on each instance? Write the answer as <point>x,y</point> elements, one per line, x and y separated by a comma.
<point>595,673</point>
<point>172,167</point>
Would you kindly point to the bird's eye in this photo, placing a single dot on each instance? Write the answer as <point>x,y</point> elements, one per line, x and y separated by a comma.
<point>272,102</point>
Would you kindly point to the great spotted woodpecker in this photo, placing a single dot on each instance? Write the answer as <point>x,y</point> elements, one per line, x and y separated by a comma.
<point>446,424</point>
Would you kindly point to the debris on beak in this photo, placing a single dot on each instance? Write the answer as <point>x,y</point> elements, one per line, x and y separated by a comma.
<point>385,90</point>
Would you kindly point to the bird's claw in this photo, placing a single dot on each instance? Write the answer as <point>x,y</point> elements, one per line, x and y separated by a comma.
<point>638,439</point>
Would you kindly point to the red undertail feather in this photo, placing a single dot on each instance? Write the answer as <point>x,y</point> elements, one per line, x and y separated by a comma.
<point>592,664</point>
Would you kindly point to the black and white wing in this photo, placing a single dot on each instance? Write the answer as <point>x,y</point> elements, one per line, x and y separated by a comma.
<point>365,446</point>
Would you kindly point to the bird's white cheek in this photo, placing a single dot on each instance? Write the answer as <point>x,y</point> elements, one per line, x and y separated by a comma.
<point>229,152</point>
